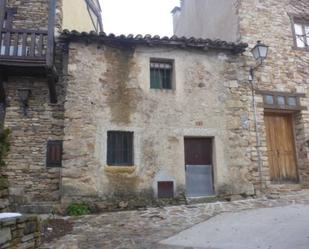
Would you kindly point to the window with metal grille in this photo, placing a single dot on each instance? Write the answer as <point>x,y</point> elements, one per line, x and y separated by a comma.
<point>161,74</point>
<point>120,148</point>
<point>54,153</point>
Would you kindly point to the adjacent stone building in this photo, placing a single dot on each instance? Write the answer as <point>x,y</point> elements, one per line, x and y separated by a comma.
<point>32,94</point>
<point>280,84</point>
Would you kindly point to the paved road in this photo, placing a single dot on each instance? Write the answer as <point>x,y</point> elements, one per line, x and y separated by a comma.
<point>267,228</point>
<point>144,229</point>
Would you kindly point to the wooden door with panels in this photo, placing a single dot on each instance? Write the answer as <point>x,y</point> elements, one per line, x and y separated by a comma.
<point>281,147</point>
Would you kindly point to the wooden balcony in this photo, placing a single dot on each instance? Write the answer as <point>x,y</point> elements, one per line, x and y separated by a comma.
<point>27,52</point>
<point>23,48</point>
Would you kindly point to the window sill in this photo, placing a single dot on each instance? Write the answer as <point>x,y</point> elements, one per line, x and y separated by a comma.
<point>163,90</point>
<point>119,169</point>
<point>301,49</point>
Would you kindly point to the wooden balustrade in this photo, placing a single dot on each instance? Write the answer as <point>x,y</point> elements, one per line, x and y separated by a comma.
<point>23,45</point>
<point>27,51</point>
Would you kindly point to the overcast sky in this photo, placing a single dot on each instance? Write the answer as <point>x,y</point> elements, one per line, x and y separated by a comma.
<point>138,16</point>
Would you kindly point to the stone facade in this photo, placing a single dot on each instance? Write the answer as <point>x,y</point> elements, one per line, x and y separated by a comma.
<point>108,88</point>
<point>21,232</point>
<point>283,71</point>
<point>34,14</point>
<point>105,86</point>
<point>4,193</point>
<point>30,181</point>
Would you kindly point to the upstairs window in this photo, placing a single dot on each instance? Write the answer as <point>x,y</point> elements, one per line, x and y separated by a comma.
<point>120,148</point>
<point>301,34</point>
<point>161,74</point>
<point>54,153</point>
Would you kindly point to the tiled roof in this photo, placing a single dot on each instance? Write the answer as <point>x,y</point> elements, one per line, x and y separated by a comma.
<point>180,42</point>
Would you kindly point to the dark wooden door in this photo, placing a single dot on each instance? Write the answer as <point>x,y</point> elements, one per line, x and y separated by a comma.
<point>281,148</point>
<point>199,168</point>
<point>198,151</point>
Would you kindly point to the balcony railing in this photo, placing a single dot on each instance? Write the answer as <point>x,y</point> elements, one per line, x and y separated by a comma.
<point>27,52</point>
<point>23,46</point>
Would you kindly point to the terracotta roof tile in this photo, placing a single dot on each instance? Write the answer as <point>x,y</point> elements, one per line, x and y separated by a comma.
<point>181,42</point>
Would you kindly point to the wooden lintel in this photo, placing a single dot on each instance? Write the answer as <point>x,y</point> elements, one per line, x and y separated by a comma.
<point>2,91</point>
<point>271,108</point>
<point>52,78</point>
<point>264,92</point>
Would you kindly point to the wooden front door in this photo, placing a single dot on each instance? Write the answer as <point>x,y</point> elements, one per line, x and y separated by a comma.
<point>199,168</point>
<point>281,148</point>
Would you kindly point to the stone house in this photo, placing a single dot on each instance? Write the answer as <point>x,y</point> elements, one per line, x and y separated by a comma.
<point>280,85</point>
<point>139,112</point>
<point>32,92</point>
<point>128,119</point>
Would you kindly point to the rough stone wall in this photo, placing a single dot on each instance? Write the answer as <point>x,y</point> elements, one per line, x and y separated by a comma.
<point>109,89</point>
<point>29,179</point>
<point>21,232</point>
<point>284,70</point>
<point>30,14</point>
<point>33,14</point>
<point>4,192</point>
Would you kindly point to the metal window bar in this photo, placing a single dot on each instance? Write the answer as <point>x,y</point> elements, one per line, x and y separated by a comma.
<point>160,74</point>
<point>120,148</point>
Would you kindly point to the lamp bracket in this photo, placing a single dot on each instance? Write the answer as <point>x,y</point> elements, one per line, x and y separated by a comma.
<point>253,69</point>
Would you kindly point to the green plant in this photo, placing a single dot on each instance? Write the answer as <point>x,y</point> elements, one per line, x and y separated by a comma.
<point>77,209</point>
<point>4,144</point>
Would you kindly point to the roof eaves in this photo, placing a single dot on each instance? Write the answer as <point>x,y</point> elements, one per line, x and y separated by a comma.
<point>182,42</point>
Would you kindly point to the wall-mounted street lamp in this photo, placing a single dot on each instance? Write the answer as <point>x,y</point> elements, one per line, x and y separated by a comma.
<point>24,95</point>
<point>259,52</point>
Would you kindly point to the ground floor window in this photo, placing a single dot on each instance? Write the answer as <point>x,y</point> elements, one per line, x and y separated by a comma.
<point>120,148</point>
<point>54,153</point>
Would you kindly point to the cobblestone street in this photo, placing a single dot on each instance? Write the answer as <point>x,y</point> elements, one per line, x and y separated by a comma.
<point>144,229</point>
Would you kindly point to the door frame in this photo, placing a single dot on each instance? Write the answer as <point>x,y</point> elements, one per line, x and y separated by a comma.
<point>213,159</point>
<point>291,114</point>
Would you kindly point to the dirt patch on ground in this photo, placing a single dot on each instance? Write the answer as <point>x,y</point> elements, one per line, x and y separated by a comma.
<point>55,228</point>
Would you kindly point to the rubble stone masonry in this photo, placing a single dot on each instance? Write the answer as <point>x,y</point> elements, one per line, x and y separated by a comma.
<point>30,181</point>
<point>108,88</point>
<point>33,14</point>
<point>285,69</point>
<point>20,232</point>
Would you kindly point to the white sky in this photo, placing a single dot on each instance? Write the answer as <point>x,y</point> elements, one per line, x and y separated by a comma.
<point>138,16</point>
